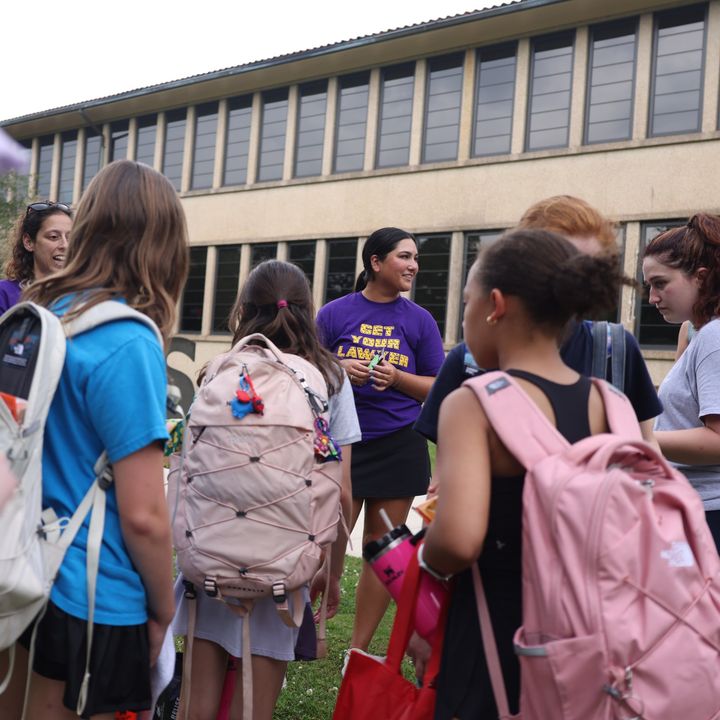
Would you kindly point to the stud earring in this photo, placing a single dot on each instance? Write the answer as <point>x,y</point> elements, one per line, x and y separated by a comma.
<point>490,320</point>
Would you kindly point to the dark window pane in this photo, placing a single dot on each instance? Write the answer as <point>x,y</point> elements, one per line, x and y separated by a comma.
<point>610,85</point>
<point>119,132</point>
<point>93,155</point>
<point>495,91</point>
<point>340,278</point>
<point>237,144</point>
<point>431,285</point>
<point>550,84</point>
<point>652,330</point>
<point>146,137</point>
<point>396,85</point>
<point>206,118</point>
<point>302,254</point>
<point>68,153</point>
<point>442,108</point>
<point>676,99</point>
<point>192,302</point>
<point>272,135</point>
<point>174,146</point>
<point>262,251</point>
<point>44,171</point>
<point>311,129</point>
<point>226,286</point>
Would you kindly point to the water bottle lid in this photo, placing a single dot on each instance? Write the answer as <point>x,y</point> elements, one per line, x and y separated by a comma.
<point>375,548</point>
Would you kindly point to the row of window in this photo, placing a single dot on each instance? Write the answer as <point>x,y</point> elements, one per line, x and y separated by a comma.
<point>675,107</point>
<point>431,289</point>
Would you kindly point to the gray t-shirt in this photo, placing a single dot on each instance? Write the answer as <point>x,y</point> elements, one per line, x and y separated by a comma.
<point>690,391</point>
<point>344,425</point>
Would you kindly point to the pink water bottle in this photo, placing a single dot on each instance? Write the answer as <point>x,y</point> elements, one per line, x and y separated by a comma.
<point>388,557</point>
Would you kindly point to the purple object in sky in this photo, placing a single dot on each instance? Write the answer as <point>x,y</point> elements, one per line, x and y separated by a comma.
<point>12,155</point>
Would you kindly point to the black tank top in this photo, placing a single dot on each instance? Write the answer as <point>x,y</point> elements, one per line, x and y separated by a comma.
<point>464,689</point>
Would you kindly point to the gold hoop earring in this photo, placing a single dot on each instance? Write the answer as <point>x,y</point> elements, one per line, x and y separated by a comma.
<point>490,320</point>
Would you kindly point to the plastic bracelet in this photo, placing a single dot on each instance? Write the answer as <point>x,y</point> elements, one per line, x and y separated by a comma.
<point>431,571</point>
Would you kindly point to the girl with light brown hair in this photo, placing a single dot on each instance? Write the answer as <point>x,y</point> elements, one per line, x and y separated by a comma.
<point>128,245</point>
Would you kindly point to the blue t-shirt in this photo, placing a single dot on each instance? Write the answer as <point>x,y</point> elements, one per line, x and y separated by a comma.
<point>355,327</point>
<point>111,396</point>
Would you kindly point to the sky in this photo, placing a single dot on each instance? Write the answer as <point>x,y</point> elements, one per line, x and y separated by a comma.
<point>54,54</point>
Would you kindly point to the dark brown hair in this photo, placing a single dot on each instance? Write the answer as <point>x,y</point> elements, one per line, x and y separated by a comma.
<point>551,276</point>
<point>20,265</point>
<point>689,248</point>
<point>276,301</point>
<point>129,240</point>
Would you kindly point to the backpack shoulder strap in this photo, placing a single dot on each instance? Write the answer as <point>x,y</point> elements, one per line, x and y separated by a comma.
<point>619,411</point>
<point>517,420</point>
<point>600,333</point>
<point>617,355</point>
<point>105,312</point>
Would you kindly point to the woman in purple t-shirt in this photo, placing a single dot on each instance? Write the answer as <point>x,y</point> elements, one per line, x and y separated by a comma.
<point>39,244</point>
<point>391,350</point>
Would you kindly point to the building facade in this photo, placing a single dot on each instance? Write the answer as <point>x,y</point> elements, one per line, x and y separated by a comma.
<point>450,129</point>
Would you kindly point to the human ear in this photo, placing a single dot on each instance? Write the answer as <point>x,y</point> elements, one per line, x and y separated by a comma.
<point>700,275</point>
<point>375,263</point>
<point>27,242</point>
<point>499,302</point>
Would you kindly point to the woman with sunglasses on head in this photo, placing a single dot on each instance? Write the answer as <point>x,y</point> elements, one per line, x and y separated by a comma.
<point>129,246</point>
<point>391,350</point>
<point>39,246</point>
<point>682,268</point>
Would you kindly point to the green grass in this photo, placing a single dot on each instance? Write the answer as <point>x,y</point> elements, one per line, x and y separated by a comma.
<point>312,687</point>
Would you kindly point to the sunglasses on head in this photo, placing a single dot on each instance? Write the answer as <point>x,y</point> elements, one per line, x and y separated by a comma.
<point>40,206</point>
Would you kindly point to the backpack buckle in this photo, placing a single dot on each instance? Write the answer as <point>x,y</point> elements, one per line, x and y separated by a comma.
<point>189,593</point>
<point>278,593</point>
<point>105,479</point>
<point>211,588</point>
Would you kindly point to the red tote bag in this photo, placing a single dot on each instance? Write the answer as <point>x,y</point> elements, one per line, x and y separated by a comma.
<point>373,690</point>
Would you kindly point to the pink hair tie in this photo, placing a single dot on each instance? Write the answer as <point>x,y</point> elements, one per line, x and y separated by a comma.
<point>282,304</point>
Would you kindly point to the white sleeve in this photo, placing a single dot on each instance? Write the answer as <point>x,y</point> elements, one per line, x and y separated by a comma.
<point>344,425</point>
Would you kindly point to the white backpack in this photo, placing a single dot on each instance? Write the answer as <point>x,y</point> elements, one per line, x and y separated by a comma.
<point>33,541</point>
<point>253,507</point>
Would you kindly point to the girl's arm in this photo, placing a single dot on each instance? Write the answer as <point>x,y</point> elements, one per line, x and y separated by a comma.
<point>146,529</point>
<point>455,537</point>
<point>694,446</point>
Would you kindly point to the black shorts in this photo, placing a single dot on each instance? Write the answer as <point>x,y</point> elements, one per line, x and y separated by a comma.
<point>119,663</point>
<point>392,466</point>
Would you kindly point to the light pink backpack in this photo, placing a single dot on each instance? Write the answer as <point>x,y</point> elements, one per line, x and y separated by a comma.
<point>621,578</point>
<point>253,508</point>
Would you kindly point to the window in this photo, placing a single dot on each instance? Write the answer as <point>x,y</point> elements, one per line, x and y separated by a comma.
<point>652,330</point>
<point>272,135</point>
<point>68,154</point>
<point>237,141</point>
<point>351,122</point>
<point>550,89</point>
<point>495,94</point>
<point>340,276</point>
<point>44,170</point>
<point>611,78</point>
<point>192,302</point>
<point>474,242</point>
<point>431,285</point>
<point>174,146</point>
<point>311,129</point>
<point>119,132</point>
<point>226,286</point>
<point>93,155</point>
<point>302,254</point>
<point>396,101</point>
<point>676,99</point>
<point>146,138</point>
<point>442,108</point>
<point>206,119</point>
<point>262,251</point>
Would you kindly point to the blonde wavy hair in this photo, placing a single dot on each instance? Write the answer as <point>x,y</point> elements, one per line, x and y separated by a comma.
<point>129,240</point>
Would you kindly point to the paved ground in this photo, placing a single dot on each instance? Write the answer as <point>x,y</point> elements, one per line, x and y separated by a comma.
<point>414,522</point>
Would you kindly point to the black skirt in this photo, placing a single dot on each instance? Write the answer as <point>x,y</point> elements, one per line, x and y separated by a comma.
<point>119,663</point>
<point>392,466</point>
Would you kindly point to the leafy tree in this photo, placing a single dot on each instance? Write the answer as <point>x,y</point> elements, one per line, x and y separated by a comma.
<point>14,197</point>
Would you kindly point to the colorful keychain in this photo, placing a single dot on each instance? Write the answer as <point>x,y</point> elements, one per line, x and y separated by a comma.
<point>326,449</point>
<point>246,400</point>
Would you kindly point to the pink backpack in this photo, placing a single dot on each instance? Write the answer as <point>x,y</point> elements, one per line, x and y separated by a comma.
<point>253,508</point>
<point>621,578</point>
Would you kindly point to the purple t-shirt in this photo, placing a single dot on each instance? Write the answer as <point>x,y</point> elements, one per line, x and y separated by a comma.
<point>354,327</point>
<point>9,294</point>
